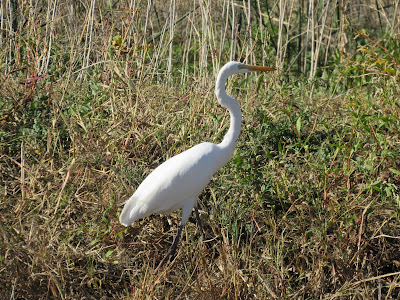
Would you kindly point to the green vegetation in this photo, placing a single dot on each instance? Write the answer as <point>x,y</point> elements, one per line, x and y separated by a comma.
<point>95,94</point>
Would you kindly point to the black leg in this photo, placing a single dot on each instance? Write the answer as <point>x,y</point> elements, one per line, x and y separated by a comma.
<point>172,249</point>
<point>186,211</point>
<point>196,210</point>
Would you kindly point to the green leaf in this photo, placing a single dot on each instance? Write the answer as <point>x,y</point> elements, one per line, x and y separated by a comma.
<point>109,252</point>
<point>298,125</point>
<point>94,242</point>
<point>389,71</point>
<point>397,172</point>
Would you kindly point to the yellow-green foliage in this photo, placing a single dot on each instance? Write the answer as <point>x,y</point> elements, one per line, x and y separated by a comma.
<point>95,94</point>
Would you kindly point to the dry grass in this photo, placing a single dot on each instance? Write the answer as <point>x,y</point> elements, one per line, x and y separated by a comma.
<point>308,207</point>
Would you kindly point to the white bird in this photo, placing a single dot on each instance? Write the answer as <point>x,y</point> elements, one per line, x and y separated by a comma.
<point>178,182</point>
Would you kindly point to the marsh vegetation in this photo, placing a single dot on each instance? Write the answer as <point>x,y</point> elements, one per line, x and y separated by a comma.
<point>95,94</point>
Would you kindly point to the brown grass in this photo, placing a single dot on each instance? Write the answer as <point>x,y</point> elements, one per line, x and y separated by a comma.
<point>308,207</point>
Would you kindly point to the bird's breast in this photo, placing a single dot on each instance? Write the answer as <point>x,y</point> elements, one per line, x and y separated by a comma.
<point>180,178</point>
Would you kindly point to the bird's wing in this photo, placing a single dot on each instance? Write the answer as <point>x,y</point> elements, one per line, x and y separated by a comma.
<point>172,183</point>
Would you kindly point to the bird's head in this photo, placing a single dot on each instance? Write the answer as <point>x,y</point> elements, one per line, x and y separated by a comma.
<point>234,67</point>
<point>229,69</point>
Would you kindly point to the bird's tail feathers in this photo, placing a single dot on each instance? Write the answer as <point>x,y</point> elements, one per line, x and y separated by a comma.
<point>132,211</point>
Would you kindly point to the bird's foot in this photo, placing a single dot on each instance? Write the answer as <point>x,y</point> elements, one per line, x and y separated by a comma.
<point>169,257</point>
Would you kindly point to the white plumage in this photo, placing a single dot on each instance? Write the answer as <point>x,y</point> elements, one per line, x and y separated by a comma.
<point>178,181</point>
<point>170,185</point>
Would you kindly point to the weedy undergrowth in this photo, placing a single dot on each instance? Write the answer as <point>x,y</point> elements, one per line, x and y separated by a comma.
<point>94,95</point>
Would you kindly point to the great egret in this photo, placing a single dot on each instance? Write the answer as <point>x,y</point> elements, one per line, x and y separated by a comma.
<point>178,182</point>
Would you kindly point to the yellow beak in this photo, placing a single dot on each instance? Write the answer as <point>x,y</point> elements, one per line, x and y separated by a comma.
<point>257,68</point>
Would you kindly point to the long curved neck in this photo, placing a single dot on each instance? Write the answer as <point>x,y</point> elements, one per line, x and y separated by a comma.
<point>230,139</point>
